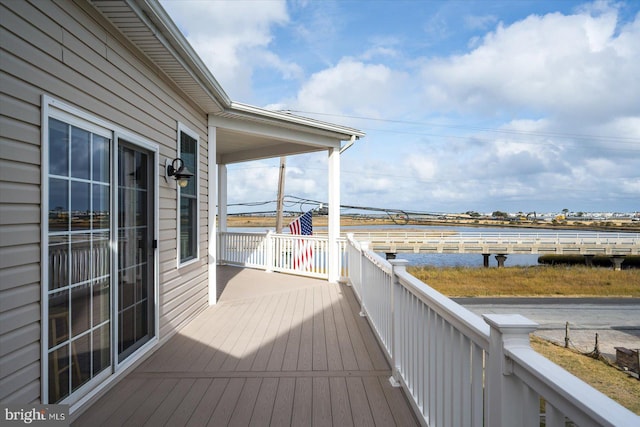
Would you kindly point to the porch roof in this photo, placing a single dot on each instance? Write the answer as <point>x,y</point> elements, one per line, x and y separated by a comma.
<point>276,350</point>
<point>244,132</point>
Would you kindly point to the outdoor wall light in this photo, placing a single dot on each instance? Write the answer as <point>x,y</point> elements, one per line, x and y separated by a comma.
<point>177,169</point>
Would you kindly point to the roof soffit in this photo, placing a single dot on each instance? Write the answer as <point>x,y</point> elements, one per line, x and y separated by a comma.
<point>143,24</point>
<point>245,132</point>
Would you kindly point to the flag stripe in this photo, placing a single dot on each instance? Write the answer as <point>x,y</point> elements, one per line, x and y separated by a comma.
<point>303,249</point>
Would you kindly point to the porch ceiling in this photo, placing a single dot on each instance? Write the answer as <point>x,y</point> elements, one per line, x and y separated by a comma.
<point>243,132</point>
<point>234,147</point>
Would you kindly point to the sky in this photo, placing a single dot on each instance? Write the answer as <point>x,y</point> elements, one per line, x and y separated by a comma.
<point>516,106</point>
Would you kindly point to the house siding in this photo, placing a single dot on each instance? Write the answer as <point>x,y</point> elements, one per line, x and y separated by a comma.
<point>68,51</point>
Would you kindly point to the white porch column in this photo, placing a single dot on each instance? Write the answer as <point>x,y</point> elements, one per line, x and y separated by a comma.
<point>222,198</point>
<point>211,217</point>
<point>334,215</point>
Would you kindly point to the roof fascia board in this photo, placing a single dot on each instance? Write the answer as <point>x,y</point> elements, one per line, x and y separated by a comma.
<point>166,31</point>
<point>241,109</point>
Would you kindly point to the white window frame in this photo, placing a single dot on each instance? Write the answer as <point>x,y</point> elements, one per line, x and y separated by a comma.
<point>182,128</point>
<point>53,108</point>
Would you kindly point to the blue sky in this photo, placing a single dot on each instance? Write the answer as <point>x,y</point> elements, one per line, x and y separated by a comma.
<point>467,105</point>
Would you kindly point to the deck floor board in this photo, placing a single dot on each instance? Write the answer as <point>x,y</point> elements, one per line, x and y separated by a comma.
<point>283,404</point>
<point>303,402</point>
<point>261,415</point>
<point>341,408</point>
<point>292,348</point>
<point>277,350</point>
<point>208,403</point>
<point>180,416</point>
<point>170,404</point>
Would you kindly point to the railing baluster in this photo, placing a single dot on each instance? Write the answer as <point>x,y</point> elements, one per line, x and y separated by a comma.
<point>411,355</point>
<point>419,351</point>
<point>553,417</point>
<point>433,351</point>
<point>439,408</point>
<point>465,381</point>
<point>478,389</point>
<point>457,381</point>
<point>448,383</point>
<point>530,406</point>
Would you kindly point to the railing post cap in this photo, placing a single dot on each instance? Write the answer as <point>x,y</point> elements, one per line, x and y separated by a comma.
<point>510,323</point>
<point>398,262</point>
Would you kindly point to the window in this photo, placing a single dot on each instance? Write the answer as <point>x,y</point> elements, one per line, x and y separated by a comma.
<point>188,198</point>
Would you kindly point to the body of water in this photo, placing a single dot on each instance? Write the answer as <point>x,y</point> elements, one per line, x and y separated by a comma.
<point>465,260</point>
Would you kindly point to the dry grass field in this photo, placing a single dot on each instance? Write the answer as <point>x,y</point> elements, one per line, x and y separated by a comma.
<point>531,281</point>
<point>616,384</point>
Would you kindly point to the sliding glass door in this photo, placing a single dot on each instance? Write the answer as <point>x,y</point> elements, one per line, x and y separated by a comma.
<point>99,286</point>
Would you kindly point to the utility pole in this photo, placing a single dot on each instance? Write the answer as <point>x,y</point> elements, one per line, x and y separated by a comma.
<point>280,205</point>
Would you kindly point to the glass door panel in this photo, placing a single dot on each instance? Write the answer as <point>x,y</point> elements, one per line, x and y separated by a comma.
<point>79,268</point>
<point>135,249</point>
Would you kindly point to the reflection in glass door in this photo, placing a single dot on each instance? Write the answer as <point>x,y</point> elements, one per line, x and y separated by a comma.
<point>135,249</point>
<point>79,270</point>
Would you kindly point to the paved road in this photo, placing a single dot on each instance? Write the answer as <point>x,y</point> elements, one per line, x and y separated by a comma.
<point>615,320</point>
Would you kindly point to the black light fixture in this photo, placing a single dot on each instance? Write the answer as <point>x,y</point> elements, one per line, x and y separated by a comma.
<point>178,171</point>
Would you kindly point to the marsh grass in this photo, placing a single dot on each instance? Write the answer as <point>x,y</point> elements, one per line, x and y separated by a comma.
<point>607,379</point>
<point>530,281</point>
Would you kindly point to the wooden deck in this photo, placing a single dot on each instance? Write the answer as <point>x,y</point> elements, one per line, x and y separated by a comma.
<point>276,350</point>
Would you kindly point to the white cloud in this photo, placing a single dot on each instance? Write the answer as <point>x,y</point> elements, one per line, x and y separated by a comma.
<point>436,28</point>
<point>351,86</point>
<point>424,167</point>
<point>263,176</point>
<point>378,51</point>
<point>232,37</point>
<point>567,66</point>
<point>480,22</point>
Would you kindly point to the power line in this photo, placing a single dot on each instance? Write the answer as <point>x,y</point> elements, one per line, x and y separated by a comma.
<point>620,139</point>
<point>302,202</point>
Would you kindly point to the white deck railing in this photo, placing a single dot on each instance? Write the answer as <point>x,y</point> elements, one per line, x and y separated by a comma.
<point>457,368</point>
<point>279,252</point>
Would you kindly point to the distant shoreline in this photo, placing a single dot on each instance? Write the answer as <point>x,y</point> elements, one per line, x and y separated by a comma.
<point>346,221</point>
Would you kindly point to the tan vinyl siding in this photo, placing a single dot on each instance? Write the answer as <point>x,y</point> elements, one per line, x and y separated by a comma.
<point>66,50</point>
<point>19,241</point>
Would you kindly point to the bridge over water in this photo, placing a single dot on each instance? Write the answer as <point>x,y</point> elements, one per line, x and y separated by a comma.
<point>589,244</point>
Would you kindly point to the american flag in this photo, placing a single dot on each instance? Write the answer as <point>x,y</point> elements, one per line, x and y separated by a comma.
<point>303,248</point>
